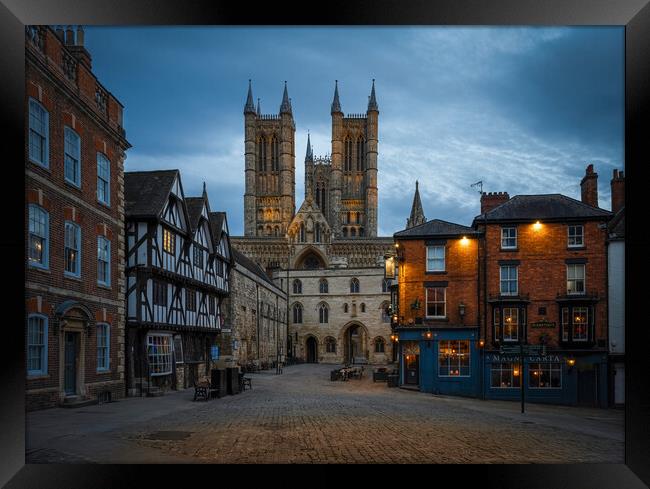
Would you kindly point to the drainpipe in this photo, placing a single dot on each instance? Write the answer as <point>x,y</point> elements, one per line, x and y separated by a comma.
<point>485,307</point>
<point>257,318</point>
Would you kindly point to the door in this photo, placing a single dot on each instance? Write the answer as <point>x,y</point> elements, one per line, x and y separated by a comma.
<point>312,350</point>
<point>70,369</point>
<point>587,387</point>
<point>412,369</point>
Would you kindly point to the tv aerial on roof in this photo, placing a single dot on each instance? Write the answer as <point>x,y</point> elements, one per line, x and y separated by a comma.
<point>478,184</point>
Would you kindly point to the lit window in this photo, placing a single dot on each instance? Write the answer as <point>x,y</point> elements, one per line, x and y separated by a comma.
<point>453,358</point>
<point>159,352</point>
<point>435,258</point>
<point>72,156</point>
<point>72,249</point>
<point>509,282</point>
<point>103,261</point>
<point>510,324</point>
<point>169,241</point>
<point>103,346</point>
<point>36,345</point>
<point>103,179</point>
<point>509,238</point>
<point>580,319</point>
<point>436,301</point>
<point>505,375</point>
<point>576,236</point>
<point>575,274</point>
<point>38,133</point>
<point>545,375</point>
<point>39,230</point>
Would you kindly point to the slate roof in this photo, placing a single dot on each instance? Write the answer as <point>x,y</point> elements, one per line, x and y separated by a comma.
<point>436,227</point>
<point>244,261</point>
<point>616,226</point>
<point>194,208</point>
<point>545,207</point>
<point>146,192</point>
<point>216,223</point>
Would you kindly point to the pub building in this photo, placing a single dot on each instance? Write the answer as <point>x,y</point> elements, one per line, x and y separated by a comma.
<point>435,315</point>
<point>178,264</point>
<point>543,281</point>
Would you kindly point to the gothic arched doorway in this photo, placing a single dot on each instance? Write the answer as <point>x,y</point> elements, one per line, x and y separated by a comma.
<point>355,344</point>
<point>312,350</point>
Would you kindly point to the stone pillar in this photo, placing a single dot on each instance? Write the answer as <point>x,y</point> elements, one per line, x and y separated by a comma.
<point>336,174</point>
<point>250,148</point>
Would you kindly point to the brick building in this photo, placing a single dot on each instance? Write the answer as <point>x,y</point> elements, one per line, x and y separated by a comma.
<point>543,281</point>
<point>74,161</point>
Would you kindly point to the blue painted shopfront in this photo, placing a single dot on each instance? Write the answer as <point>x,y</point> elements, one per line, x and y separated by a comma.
<point>547,378</point>
<point>435,375</point>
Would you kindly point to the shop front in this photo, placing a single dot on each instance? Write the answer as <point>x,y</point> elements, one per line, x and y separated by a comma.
<point>555,377</point>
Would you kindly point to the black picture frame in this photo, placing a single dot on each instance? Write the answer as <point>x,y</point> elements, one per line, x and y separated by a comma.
<point>633,14</point>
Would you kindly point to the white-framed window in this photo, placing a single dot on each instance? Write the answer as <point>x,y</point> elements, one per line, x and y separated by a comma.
<point>159,352</point>
<point>36,344</point>
<point>580,327</point>
<point>297,286</point>
<point>509,280</point>
<point>103,347</point>
<point>436,258</point>
<point>505,375</point>
<point>39,131</point>
<point>297,314</point>
<point>547,375</point>
<point>575,278</point>
<point>323,313</point>
<point>178,349</point>
<point>39,232</point>
<point>103,179</point>
<point>72,156</point>
<point>566,324</point>
<point>103,261</point>
<point>354,286</point>
<point>510,323</point>
<point>72,251</point>
<point>436,298</point>
<point>576,236</point>
<point>509,237</point>
<point>323,286</point>
<point>453,358</point>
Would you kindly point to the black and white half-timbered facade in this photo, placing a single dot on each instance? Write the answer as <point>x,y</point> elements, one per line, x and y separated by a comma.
<point>178,264</point>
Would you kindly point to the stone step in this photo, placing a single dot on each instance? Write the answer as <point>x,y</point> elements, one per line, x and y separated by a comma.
<point>76,401</point>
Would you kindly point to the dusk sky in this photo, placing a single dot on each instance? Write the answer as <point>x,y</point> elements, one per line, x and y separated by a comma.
<point>525,110</point>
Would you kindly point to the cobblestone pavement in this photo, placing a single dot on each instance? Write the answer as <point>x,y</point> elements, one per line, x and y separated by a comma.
<point>301,416</point>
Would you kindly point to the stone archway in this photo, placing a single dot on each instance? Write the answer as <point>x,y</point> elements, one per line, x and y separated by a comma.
<point>355,343</point>
<point>310,258</point>
<point>311,349</point>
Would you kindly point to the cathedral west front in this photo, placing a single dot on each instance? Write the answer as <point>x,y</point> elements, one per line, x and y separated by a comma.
<point>326,254</point>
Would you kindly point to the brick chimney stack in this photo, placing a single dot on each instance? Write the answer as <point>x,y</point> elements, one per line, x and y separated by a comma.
<point>589,187</point>
<point>618,190</point>
<point>489,200</point>
<point>69,36</point>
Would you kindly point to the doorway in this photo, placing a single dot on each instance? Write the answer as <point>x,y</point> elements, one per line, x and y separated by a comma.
<point>355,339</point>
<point>70,365</point>
<point>588,387</point>
<point>412,369</point>
<point>312,350</point>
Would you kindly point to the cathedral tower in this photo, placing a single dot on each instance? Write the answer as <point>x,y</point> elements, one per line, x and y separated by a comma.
<point>417,213</point>
<point>269,198</point>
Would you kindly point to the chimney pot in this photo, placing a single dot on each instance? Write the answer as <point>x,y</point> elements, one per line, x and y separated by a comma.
<point>80,36</point>
<point>618,191</point>
<point>69,36</point>
<point>589,187</point>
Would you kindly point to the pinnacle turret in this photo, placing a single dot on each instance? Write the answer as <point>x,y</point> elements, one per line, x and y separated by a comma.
<point>336,104</point>
<point>249,107</point>
<point>372,102</point>
<point>417,213</point>
<point>310,152</point>
<point>259,112</point>
<point>286,103</point>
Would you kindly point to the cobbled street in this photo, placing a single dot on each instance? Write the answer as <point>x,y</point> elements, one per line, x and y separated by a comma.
<point>303,417</point>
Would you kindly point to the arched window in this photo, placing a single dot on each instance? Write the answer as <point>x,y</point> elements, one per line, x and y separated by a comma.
<point>363,307</point>
<point>297,313</point>
<point>330,345</point>
<point>297,286</point>
<point>360,154</point>
<point>261,154</point>
<point>345,232</point>
<point>345,307</point>
<point>275,154</point>
<point>354,286</point>
<point>302,233</point>
<point>385,285</point>
<point>276,231</point>
<point>268,230</point>
<point>353,232</point>
<point>323,286</point>
<point>348,154</point>
<point>323,313</point>
<point>385,317</point>
<point>360,232</point>
<point>380,345</point>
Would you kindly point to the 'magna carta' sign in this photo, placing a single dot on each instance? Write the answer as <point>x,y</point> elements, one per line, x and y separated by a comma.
<point>543,324</point>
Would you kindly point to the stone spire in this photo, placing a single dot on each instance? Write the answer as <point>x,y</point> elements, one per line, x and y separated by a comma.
<point>372,102</point>
<point>310,152</point>
<point>417,214</point>
<point>249,107</point>
<point>259,112</point>
<point>286,104</point>
<point>336,104</point>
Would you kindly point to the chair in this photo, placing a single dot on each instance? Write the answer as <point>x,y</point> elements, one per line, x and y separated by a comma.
<point>202,390</point>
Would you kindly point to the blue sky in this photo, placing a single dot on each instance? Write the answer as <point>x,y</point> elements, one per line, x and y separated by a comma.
<point>525,110</point>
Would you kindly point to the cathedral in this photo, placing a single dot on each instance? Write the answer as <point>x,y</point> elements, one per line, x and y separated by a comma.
<point>326,255</point>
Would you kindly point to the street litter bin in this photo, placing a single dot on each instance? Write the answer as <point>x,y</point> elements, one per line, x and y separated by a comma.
<point>334,375</point>
<point>392,380</point>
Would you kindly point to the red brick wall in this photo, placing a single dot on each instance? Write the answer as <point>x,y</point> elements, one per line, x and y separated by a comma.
<point>461,259</point>
<point>542,271</point>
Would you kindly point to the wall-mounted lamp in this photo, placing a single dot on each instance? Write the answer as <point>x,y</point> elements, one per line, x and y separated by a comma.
<point>394,337</point>
<point>571,362</point>
<point>481,343</point>
<point>461,310</point>
<point>537,226</point>
<point>427,335</point>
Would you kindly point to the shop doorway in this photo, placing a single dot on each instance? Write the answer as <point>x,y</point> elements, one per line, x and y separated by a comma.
<point>412,369</point>
<point>588,387</point>
<point>312,350</point>
<point>70,365</point>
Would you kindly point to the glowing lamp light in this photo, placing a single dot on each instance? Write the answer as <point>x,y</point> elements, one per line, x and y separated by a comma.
<point>571,362</point>
<point>481,343</point>
<point>464,241</point>
<point>428,335</point>
<point>515,372</point>
<point>537,226</point>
